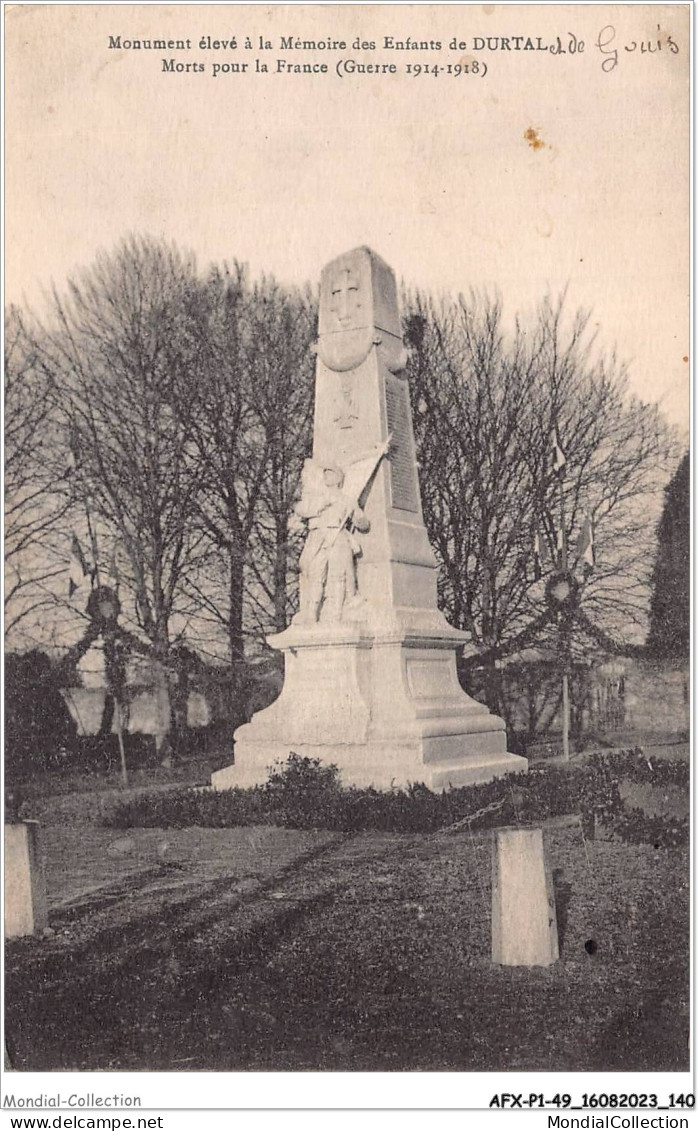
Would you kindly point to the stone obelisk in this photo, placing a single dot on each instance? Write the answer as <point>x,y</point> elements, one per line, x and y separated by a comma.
<point>370,668</point>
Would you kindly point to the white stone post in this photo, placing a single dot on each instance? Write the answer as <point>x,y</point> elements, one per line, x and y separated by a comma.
<point>524,925</point>
<point>25,885</point>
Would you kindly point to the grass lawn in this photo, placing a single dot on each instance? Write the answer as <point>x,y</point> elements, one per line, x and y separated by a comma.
<point>274,949</point>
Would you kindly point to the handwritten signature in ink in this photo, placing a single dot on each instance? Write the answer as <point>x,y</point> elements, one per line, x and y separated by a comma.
<point>606,42</point>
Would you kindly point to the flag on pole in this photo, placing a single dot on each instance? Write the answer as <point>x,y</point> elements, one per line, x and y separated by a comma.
<point>559,459</point>
<point>560,545</point>
<point>537,567</point>
<point>79,568</point>
<point>585,543</point>
<point>114,572</point>
<point>358,478</point>
<point>541,557</point>
<point>74,456</point>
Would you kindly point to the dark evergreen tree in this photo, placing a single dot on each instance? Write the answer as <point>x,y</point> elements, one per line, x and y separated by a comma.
<point>39,730</point>
<point>669,633</point>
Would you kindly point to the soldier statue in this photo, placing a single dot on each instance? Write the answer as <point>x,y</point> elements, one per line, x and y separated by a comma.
<point>327,563</point>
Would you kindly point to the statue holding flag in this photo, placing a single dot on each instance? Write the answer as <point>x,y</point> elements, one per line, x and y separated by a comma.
<point>331,504</point>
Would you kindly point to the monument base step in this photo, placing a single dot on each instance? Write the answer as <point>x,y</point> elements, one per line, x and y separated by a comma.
<point>380,765</point>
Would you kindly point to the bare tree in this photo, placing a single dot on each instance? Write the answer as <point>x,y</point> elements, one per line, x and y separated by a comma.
<point>249,420</point>
<point>620,453</point>
<point>284,322</point>
<point>181,408</point>
<point>226,452</point>
<point>37,499</point>
<point>487,407</point>
<point>117,339</point>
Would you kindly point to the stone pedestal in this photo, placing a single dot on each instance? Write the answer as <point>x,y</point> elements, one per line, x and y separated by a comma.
<point>524,925</point>
<point>25,886</point>
<point>374,687</point>
<point>387,709</point>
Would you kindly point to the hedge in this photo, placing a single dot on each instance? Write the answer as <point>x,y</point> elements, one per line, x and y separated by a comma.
<point>305,794</point>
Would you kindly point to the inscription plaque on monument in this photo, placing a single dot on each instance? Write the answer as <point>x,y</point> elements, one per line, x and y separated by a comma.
<point>403,476</point>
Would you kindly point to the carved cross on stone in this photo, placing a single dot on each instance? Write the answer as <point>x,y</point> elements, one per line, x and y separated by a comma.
<point>346,419</point>
<point>345,298</point>
<point>346,414</point>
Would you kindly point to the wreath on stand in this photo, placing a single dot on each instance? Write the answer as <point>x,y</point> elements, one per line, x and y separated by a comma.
<point>103,609</point>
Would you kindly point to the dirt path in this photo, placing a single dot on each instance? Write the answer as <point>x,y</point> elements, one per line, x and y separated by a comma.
<point>93,860</point>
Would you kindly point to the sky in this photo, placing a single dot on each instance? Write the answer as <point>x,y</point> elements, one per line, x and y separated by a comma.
<point>547,172</point>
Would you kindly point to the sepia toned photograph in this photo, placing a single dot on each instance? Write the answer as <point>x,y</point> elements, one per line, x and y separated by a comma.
<point>347,543</point>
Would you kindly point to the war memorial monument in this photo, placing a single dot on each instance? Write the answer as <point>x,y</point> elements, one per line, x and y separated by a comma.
<point>370,663</point>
